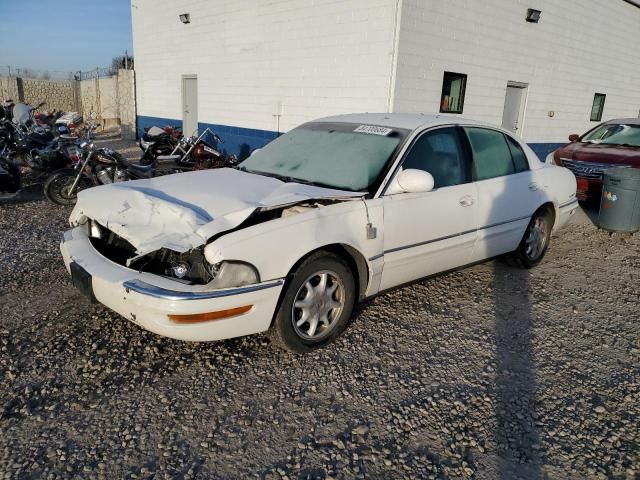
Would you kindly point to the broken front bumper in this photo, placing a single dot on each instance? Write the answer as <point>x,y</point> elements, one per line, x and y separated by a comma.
<point>148,300</point>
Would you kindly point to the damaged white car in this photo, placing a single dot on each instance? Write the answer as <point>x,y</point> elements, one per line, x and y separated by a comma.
<point>335,211</point>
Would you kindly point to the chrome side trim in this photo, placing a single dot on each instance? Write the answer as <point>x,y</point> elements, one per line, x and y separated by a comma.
<point>570,203</point>
<point>144,288</point>
<point>420,244</point>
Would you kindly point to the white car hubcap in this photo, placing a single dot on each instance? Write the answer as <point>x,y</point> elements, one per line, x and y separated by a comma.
<point>318,305</point>
<point>536,239</point>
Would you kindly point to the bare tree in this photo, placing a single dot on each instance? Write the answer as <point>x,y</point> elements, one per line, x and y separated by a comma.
<point>122,62</point>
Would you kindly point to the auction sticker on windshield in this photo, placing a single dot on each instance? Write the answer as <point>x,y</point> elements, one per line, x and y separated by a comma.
<point>373,130</point>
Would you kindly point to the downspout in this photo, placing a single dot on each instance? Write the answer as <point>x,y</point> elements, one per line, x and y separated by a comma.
<point>394,56</point>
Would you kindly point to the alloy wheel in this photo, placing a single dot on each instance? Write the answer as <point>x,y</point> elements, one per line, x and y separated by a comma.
<point>536,238</point>
<point>318,305</point>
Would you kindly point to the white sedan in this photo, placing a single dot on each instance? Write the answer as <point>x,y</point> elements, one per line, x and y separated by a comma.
<point>333,212</point>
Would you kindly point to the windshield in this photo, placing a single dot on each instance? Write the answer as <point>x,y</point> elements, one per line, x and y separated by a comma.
<point>615,134</point>
<point>342,156</point>
<point>21,113</point>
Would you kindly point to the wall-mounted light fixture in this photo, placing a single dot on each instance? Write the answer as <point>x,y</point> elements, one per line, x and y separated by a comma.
<point>533,16</point>
<point>185,18</point>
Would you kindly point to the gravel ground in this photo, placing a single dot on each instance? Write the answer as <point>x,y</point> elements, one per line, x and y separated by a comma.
<point>490,372</point>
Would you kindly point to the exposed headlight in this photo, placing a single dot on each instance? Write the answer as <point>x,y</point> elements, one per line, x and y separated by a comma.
<point>180,269</point>
<point>233,274</point>
<point>95,231</point>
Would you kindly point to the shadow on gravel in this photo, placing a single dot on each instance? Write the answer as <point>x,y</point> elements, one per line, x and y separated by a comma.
<point>30,193</point>
<point>517,438</point>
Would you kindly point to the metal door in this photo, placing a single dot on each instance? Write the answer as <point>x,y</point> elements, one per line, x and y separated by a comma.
<point>189,104</point>
<point>514,105</point>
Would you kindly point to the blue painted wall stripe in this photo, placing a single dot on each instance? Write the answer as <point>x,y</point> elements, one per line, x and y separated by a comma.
<point>241,141</point>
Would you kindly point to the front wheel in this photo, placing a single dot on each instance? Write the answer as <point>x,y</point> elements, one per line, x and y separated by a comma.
<point>316,305</point>
<point>535,241</point>
<point>57,188</point>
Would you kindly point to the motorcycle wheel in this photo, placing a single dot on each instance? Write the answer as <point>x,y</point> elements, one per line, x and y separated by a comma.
<point>57,187</point>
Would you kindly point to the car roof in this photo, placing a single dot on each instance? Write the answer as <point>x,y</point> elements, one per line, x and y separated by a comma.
<point>408,121</point>
<point>629,121</point>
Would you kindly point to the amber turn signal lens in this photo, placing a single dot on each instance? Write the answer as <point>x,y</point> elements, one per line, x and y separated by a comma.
<point>205,317</point>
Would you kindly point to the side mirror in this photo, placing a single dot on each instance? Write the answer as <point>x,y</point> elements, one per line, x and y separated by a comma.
<point>574,137</point>
<point>414,181</point>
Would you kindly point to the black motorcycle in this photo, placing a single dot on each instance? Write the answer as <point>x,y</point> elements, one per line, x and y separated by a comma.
<point>31,145</point>
<point>10,178</point>
<point>102,166</point>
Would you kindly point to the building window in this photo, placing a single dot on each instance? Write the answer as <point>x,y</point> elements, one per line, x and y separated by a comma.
<point>453,87</point>
<point>598,107</point>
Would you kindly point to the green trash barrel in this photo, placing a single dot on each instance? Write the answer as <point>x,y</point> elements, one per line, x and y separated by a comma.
<point>620,202</point>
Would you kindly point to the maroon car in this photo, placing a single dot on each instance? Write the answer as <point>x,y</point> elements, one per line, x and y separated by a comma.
<point>614,143</point>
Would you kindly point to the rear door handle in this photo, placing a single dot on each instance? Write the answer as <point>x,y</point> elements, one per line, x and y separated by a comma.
<point>467,201</point>
<point>533,187</point>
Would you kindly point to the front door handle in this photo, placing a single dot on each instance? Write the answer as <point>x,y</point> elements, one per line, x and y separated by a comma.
<point>467,201</point>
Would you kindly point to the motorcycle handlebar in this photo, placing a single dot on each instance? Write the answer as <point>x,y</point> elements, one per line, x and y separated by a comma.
<point>41,104</point>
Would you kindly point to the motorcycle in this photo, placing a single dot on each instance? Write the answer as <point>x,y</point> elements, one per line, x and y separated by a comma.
<point>102,166</point>
<point>10,176</point>
<point>158,141</point>
<point>29,143</point>
<point>6,110</point>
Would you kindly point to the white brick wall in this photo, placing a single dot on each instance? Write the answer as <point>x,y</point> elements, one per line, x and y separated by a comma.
<point>321,57</point>
<point>315,57</point>
<point>580,47</point>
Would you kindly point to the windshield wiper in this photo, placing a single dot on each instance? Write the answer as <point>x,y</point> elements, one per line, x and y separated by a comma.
<point>284,178</point>
<point>289,179</point>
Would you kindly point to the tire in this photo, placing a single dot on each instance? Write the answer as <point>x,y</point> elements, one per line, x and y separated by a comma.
<point>333,303</point>
<point>57,185</point>
<point>535,242</point>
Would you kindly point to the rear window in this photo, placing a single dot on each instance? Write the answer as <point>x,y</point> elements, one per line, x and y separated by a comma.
<point>519,158</point>
<point>491,153</point>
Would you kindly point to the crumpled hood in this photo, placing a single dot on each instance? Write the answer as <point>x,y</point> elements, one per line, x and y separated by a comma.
<point>183,211</point>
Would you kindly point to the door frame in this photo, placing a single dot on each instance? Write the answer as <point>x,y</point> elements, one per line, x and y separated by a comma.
<point>523,105</point>
<point>189,76</point>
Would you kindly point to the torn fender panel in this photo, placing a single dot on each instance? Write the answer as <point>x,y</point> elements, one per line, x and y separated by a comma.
<point>182,211</point>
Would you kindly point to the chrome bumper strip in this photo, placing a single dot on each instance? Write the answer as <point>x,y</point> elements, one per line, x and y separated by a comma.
<point>144,288</point>
<point>568,204</point>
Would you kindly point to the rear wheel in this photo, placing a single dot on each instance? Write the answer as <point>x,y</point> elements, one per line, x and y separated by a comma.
<point>316,305</point>
<point>535,241</point>
<point>57,188</point>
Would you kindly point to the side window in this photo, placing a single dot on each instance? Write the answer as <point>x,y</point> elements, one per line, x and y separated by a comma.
<point>597,107</point>
<point>518,155</point>
<point>440,153</point>
<point>491,153</point>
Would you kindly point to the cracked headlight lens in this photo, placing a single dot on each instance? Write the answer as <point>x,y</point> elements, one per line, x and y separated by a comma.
<point>233,274</point>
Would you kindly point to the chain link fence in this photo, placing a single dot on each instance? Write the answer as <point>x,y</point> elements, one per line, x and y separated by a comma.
<point>22,72</point>
<point>55,75</point>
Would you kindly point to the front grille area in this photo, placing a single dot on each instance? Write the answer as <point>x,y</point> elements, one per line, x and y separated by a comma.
<point>113,247</point>
<point>160,262</point>
<point>588,170</point>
